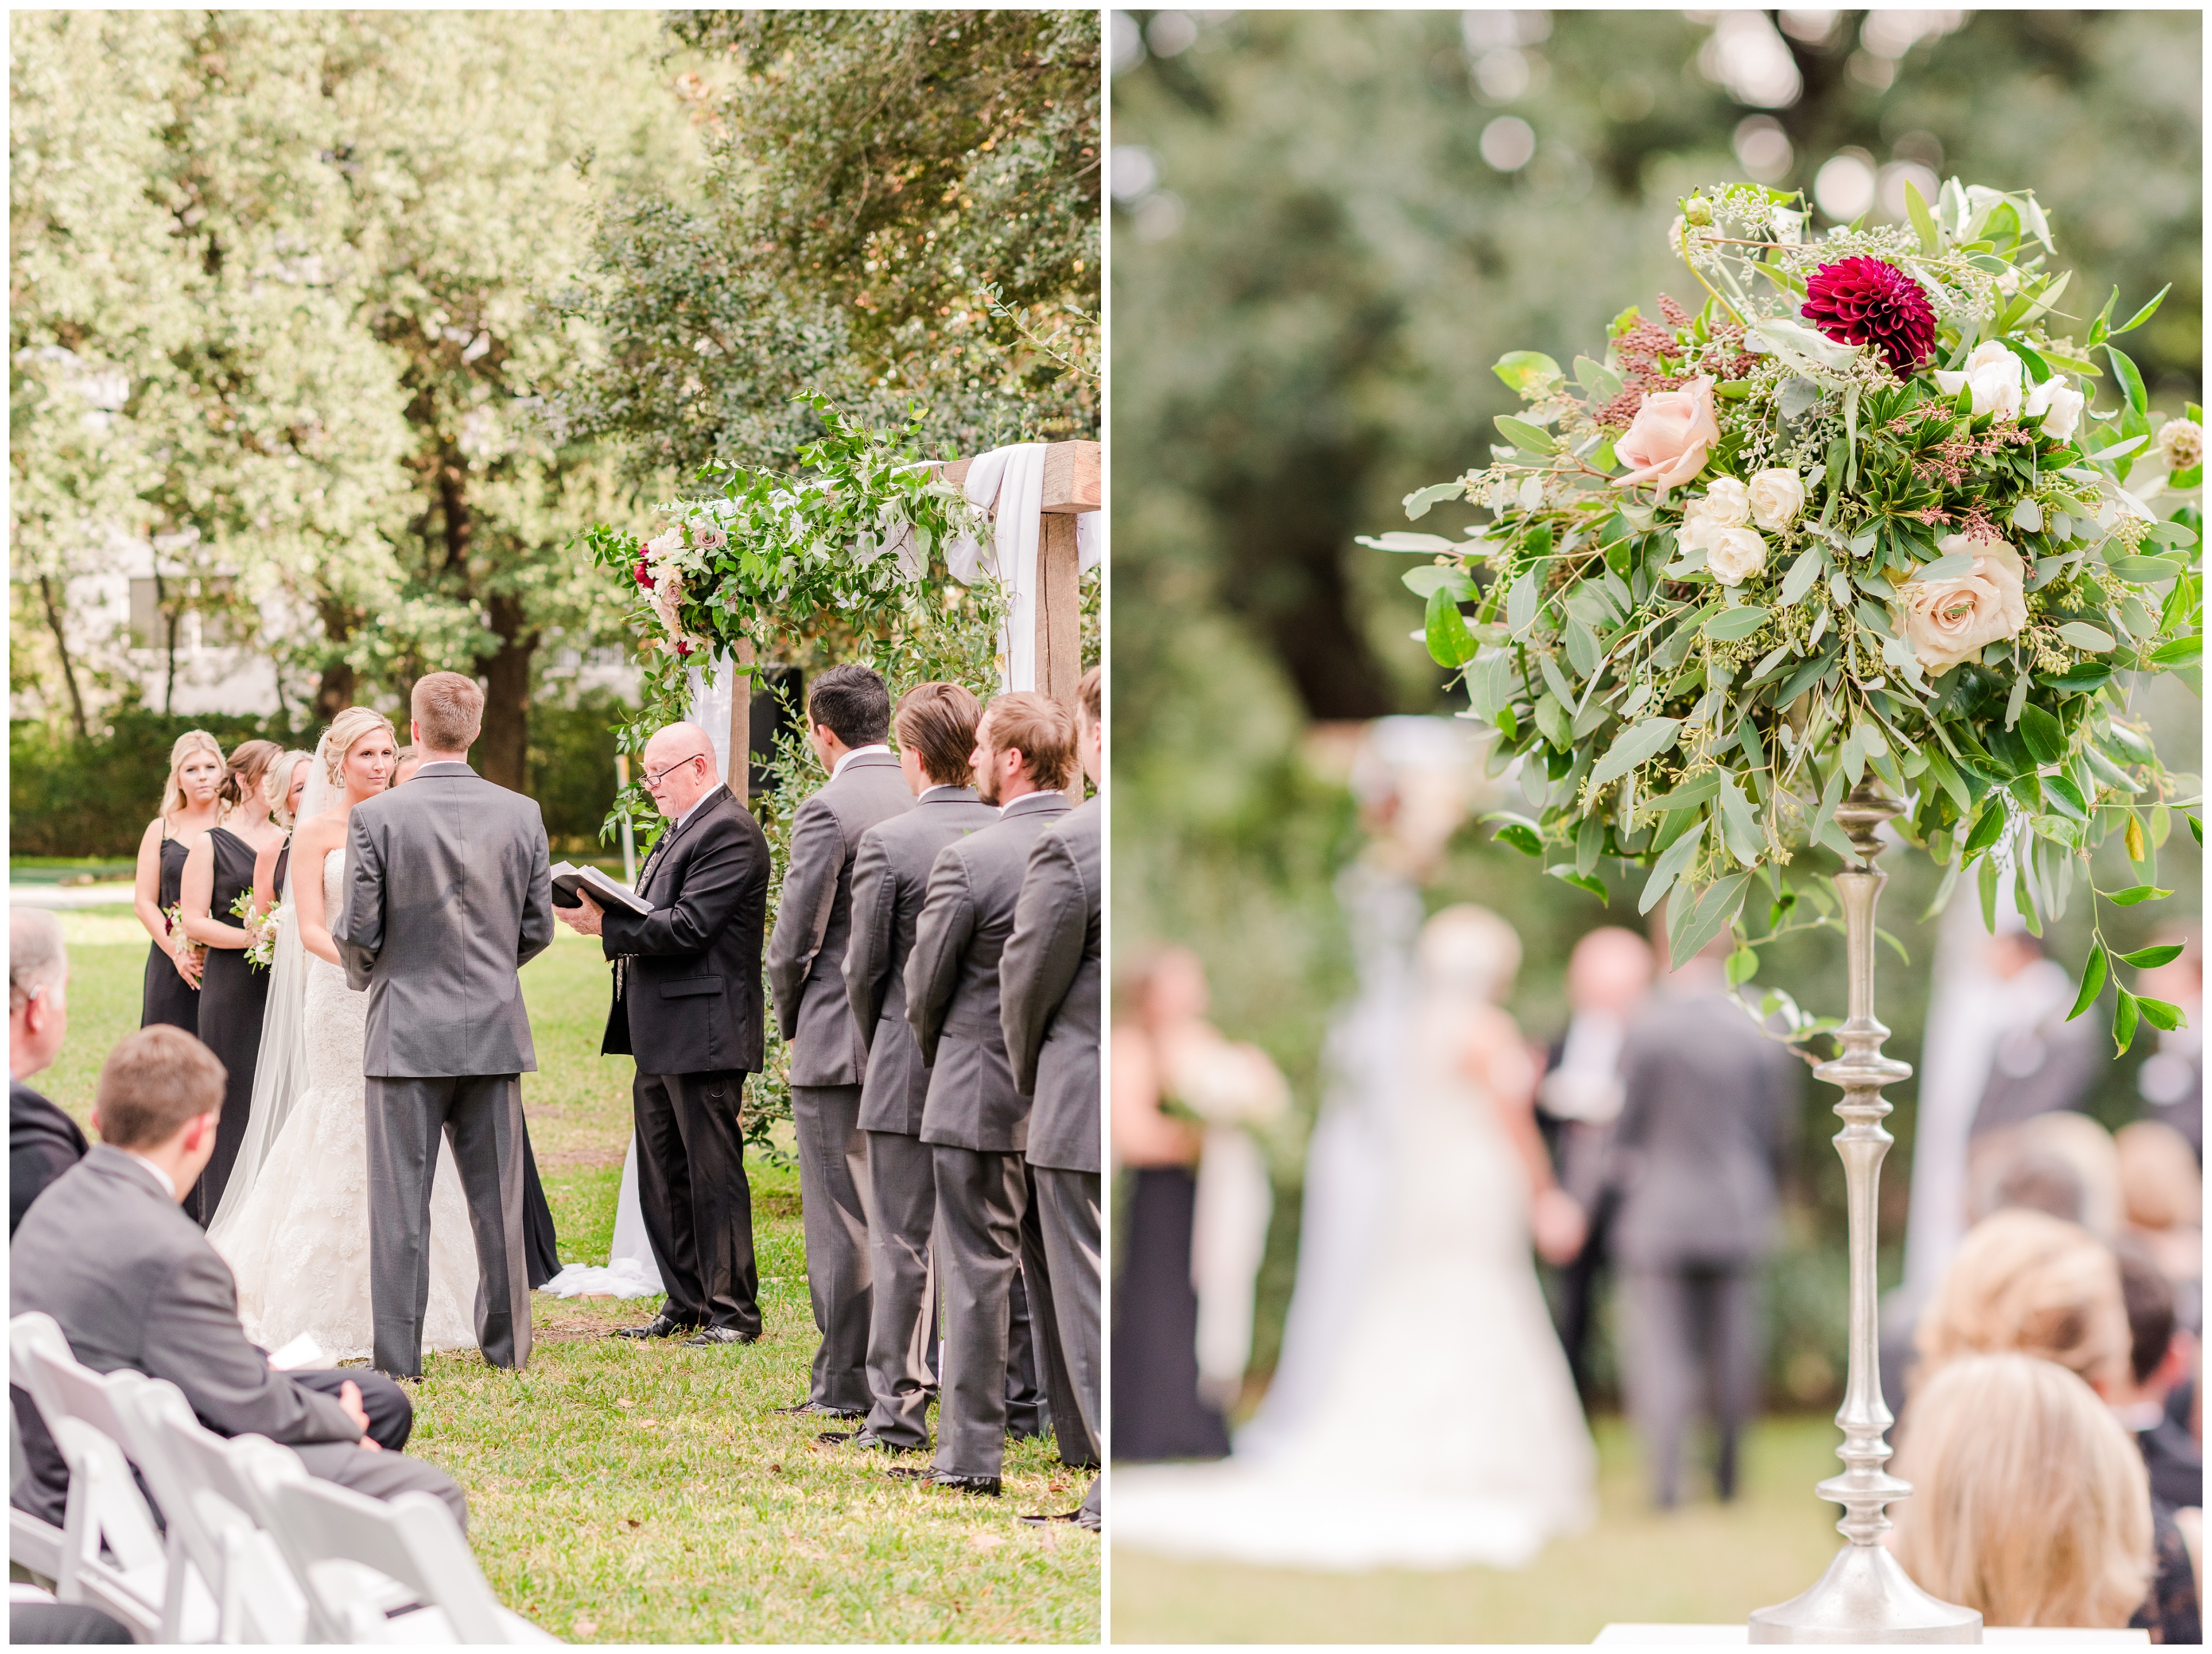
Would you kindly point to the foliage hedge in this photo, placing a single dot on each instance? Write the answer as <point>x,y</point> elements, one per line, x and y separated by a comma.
<point>94,798</point>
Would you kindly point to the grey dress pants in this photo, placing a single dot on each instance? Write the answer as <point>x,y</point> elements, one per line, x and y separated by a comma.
<point>833,1189</point>
<point>1679,1321</point>
<point>981,1196</point>
<point>902,1312</point>
<point>1067,1205</point>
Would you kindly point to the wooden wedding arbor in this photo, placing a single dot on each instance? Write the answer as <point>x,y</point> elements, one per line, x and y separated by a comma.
<point>1072,485</point>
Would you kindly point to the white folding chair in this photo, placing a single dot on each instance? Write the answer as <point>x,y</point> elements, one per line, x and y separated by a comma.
<point>337,1540</point>
<point>213,1527</point>
<point>34,1545</point>
<point>106,1516</point>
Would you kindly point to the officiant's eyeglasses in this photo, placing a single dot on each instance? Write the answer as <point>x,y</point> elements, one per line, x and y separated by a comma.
<point>653,777</point>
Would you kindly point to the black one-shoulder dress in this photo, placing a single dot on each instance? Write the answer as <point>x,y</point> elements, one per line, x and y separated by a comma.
<point>233,999</point>
<point>169,998</point>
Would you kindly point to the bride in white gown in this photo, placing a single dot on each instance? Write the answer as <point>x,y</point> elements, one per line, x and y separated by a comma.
<point>1439,1426</point>
<point>293,1222</point>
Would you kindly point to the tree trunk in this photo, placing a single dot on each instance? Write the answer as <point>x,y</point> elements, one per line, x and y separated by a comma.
<point>334,693</point>
<point>61,643</point>
<point>169,632</point>
<point>502,750</point>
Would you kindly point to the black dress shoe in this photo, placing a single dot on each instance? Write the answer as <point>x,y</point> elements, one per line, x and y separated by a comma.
<point>809,1407</point>
<point>707,1336</point>
<point>981,1486</point>
<point>1041,1521</point>
<point>663,1325</point>
<point>862,1441</point>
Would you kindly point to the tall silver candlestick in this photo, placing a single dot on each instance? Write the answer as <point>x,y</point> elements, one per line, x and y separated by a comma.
<point>1865,1596</point>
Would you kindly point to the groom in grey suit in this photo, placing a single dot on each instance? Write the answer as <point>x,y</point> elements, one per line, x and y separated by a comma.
<point>448,894</point>
<point>848,713</point>
<point>976,1118</point>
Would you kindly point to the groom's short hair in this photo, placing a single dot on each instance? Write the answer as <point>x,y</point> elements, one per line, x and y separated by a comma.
<point>936,724</point>
<point>854,702</point>
<point>152,1083</point>
<point>450,710</point>
<point>1090,695</point>
<point>1038,728</point>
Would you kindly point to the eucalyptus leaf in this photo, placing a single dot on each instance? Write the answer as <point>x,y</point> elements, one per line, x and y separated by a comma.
<point>1638,745</point>
<point>1669,867</point>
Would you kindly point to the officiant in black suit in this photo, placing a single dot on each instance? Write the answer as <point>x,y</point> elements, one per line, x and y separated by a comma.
<point>848,715</point>
<point>687,1004</point>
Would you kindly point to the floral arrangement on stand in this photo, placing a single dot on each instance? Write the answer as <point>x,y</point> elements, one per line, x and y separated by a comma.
<point>1855,518</point>
<point>261,951</point>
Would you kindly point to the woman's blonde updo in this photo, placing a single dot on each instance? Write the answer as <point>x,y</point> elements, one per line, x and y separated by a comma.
<point>277,785</point>
<point>173,790</point>
<point>344,734</point>
<point>2027,1282</point>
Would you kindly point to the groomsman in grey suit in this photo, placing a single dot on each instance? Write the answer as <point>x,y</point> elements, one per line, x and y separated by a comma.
<point>1048,1008</point>
<point>936,725</point>
<point>1697,1157</point>
<point>447,896</point>
<point>687,1006</point>
<point>108,1252</point>
<point>975,1118</point>
<point>848,716</point>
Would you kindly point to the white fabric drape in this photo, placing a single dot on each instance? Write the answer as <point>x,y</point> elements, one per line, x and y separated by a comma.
<point>630,1271</point>
<point>1229,1240</point>
<point>710,707</point>
<point>1009,483</point>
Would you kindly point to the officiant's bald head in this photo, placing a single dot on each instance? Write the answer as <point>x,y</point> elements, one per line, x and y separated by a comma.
<point>679,767</point>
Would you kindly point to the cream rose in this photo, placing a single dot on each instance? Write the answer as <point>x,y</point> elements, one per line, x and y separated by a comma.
<point>1993,372</point>
<point>1727,503</point>
<point>1673,432</point>
<point>1948,621</point>
<point>1733,555</point>
<point>2059,403</point>
<point>1777,496</point>
<point>2182,442</point>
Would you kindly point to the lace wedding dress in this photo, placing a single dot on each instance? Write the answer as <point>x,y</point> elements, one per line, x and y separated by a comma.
<point>299,1241</point>
<point>1437,1426</point>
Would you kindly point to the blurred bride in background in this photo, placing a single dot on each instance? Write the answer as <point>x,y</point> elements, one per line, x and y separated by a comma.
<point>1439,1426</point>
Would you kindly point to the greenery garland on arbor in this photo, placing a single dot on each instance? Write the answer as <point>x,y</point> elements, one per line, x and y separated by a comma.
<point>1854,516</point>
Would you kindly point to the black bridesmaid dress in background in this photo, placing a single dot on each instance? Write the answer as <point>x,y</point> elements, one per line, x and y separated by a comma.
<point>169,998</point>
<point>234,997</point>
<point>1157,1411</point>
<point>537,1238</point>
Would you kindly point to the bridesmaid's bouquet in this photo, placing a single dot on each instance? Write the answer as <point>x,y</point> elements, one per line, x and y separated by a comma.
<point>262,950</point>
<point>180,944</point>
<point>1857,516</point>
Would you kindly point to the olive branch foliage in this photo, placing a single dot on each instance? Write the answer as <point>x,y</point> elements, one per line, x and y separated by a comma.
<point>1706,732</point>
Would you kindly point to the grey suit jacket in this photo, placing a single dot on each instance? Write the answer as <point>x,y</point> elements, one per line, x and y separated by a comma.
<point>1698,1150</point>
<point>952,981</point>
<point>134,1283</point>
<point>1048,990</point>
<point>813,919</point>
<point>890,877</point>
<point>448,894</point>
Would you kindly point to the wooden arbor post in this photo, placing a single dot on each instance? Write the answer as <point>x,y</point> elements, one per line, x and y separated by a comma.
<point>1072,487</point>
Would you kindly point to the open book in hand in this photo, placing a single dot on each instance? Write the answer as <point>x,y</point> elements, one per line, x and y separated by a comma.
<point>568,881</point>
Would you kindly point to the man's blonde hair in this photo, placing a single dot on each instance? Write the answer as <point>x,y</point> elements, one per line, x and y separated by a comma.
<point>1039,729</point>
<point>450,710</point>
<point>2027,1282</point>
<point>2029,1502</point>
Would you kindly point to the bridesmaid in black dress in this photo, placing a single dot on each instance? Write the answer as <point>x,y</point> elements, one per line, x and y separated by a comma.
<point>234,994</point>
<point>1159,1413</point>
<point>190,806</point>
<point>538,1240</point>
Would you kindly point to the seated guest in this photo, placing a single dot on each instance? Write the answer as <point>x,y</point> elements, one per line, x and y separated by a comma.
<point>2158,1360</point>
<point>2026,1281</point>
<point>43,1142</point>
<point>108,1252</point>
<point>2027,1501</point>
<point>2163,1199</point>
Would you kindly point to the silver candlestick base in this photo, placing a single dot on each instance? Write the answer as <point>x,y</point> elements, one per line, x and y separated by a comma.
<point>1865,1597</point>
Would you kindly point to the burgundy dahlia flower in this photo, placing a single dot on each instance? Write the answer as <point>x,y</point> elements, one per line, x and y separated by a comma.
<point>1866,301</point>
<point>643,572</point>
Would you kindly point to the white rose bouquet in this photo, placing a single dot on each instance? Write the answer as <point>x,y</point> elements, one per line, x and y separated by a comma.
<point>1854,517</point>
<point>261,951</point>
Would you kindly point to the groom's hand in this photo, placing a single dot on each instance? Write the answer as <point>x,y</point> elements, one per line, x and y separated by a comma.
<point>583,918</point>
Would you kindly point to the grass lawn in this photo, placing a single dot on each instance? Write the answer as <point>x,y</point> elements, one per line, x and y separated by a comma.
<point>621,1493</point>
<point>1705,1563</point>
